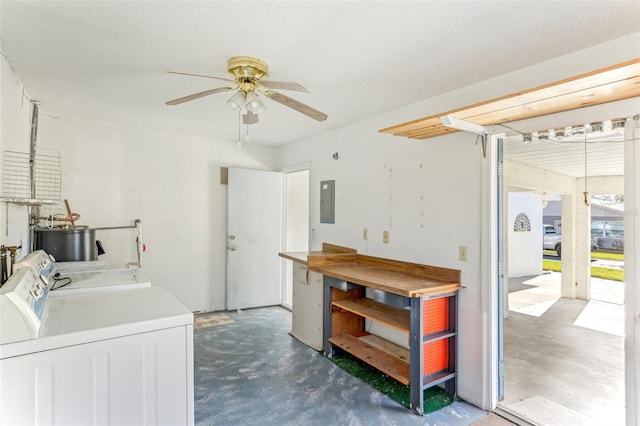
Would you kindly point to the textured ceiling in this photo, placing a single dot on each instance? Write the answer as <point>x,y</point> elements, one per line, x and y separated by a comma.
<point>106,61</point>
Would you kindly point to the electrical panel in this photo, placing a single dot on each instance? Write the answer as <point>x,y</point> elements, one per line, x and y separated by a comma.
<point>327,201</point>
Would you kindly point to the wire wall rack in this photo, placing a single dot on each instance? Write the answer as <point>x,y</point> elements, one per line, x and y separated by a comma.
<point>16,177</point>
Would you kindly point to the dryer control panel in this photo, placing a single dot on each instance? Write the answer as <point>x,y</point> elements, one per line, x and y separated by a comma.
<point>40,261</point>
<point>22,302</point>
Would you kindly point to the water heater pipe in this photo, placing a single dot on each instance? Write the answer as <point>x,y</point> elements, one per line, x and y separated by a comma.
<point>32,173</point>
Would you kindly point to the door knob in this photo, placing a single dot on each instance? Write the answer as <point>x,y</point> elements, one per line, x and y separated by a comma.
<point>232,237</point>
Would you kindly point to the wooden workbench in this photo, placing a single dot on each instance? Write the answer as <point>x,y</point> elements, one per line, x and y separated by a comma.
<point>419,300</point>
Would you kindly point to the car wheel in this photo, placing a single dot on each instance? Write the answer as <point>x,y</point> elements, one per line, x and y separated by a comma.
<point>559,250</point>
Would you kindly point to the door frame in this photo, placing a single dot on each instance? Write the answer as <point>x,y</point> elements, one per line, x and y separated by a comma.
<point>491,270</point>
<point>286,266</point>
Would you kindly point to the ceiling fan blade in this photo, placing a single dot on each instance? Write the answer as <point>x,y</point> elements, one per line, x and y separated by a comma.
<point>283,85</point>
<point>298,106</point>
<point>200,75</point>
<point>250,118</point>
<point>198,95</point>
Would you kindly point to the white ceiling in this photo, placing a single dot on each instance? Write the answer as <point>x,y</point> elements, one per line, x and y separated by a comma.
<point>106,60</point>
<point>603,156</point>
<point>604,150</point>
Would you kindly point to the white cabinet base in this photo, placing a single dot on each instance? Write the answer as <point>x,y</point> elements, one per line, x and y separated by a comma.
<point>306,323</point>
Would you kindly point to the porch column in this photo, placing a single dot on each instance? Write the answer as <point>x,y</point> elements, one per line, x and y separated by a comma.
<point>576,246</point>
<point>582,239</point>
<point>568,267</point>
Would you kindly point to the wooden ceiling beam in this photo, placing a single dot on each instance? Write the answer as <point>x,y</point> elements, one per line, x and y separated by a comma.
<point>614,83</point>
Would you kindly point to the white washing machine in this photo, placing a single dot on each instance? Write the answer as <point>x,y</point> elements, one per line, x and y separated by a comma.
<point>82,277</point>
<point>121,357</point>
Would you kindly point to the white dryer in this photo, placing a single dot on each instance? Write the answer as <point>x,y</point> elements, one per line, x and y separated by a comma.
<point>121,357</point>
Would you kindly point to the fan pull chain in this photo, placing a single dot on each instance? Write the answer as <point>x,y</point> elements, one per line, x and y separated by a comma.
<point>239,143</point>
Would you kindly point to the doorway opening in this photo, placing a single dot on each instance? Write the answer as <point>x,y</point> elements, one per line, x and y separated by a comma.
<point>561,365</point>
<point>295,224</point>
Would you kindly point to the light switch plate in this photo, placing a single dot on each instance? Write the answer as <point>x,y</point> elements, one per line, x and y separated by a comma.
<point>462,253</point>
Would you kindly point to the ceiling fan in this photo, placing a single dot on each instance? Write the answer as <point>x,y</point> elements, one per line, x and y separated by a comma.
<point>248,74</point>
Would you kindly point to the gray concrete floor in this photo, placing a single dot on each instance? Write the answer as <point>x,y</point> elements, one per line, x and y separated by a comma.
<point>564,358</point>
<point>564,365</point>
<point>250,371</point>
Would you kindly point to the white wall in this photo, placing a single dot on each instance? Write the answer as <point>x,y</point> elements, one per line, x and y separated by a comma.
<point>426,193</point>
<point>113,175</point>
<point>15,125</point>
<point>525,248</point>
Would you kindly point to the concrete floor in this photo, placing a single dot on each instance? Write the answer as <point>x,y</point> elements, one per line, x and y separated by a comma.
<point>564,358</point>
<point>250,371</point>
<point>564,365</point>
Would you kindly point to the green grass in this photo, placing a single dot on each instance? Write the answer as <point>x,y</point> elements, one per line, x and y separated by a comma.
<point>551,265</point>
<point>607,255</point>
<point>435,398</point>
<point>607,273</point>
<point>596,271</point>
<point>600,254</point>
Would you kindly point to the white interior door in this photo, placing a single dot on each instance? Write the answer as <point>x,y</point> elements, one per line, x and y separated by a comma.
<point>254,222</point>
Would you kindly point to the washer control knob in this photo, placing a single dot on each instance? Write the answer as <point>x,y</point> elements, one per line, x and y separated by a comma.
<point>44,280</point>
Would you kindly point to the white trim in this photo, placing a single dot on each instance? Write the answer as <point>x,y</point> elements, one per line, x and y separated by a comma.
<point>489,274</point>
<point>297,167</point>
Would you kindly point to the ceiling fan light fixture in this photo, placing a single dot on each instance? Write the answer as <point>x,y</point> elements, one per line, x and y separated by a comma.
<point>250,118</point>
<point>253,103</point>
<point>237,101</point>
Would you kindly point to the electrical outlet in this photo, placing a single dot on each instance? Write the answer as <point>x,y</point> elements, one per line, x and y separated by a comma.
<point>385,237</point>
<point>462,253</point>
<point>365,233</point>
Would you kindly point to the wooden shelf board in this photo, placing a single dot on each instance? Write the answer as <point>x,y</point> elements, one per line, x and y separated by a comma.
<point>381,360</point>
<point>376,311</point>
<point>392,349</point>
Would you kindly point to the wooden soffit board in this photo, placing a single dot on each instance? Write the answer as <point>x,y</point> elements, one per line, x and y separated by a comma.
<point>614,83</point>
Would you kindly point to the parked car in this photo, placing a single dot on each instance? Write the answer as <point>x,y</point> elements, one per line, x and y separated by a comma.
<point>551,239</point>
